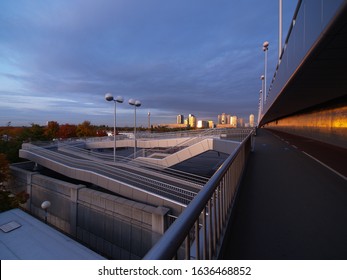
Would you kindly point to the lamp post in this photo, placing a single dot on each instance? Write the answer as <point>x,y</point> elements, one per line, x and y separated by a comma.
<point>149,120</point>
<point>45,205</point>
<point>260,105</point>
<point>119,99</point>
<point>262,78</point>
<point>279,28</point>
<point>135,103</point>
<point>265,49</point>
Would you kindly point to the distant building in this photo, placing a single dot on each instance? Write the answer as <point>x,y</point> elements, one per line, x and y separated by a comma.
<point>202,124</point>
<point>223,119</point>
<point>192,121</point>
<point>180,119</point>
<point>251,120</point>
<point>173,125</point>
<point>211,124</point>
<point>224,126</point>
<point>233,121</point>
<point>241,122</point>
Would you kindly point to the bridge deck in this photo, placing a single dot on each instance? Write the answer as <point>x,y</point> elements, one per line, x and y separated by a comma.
<point>289,206</point>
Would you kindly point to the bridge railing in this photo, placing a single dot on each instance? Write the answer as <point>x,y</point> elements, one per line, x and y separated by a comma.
<point>199,231</point>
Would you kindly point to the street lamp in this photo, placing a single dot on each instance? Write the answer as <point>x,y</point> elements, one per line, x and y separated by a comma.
<point>260,105</point>
<point>135,103</point>
<point>262,78</point>
<point>149,120</point>
<point>119,99</point>
<point>279,28</point>
<point>265,49</point>
<point>45,205</point>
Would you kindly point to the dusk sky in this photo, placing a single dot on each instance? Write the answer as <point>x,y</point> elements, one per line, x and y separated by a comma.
<point>59,58</point>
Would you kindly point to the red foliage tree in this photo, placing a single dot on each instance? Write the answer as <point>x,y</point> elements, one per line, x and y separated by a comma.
<point>67,131</point>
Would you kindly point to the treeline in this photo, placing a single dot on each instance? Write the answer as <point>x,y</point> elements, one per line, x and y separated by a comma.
<point>11,138</point>
<point>53,130</point>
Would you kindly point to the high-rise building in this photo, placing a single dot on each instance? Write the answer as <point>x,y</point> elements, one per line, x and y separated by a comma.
<point>251,120</point>
<point>192,121</point>
<point>202,124</point>
<point>224,119</point>
<point>180,119</point>
<point>233,121</point>
<point>241,122</point>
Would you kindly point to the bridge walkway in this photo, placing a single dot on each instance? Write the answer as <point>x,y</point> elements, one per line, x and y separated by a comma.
<point>289,206</point>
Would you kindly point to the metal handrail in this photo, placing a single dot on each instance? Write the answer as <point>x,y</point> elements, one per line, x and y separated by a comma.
<point>136,165</point>
<point>212,205</point>
<point>194,137</point>
<point>167,191</point>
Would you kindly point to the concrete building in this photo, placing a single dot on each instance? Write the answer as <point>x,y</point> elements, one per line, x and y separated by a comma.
<point>174,125</point>
<point>240,122</point>
<point>202,124</point>
<point>251,120</point>
<point>180,119</point>
<point>233,121</point>
<point>119,211</point>
<point>192,121</point>
<point>113,226</point>
<point>224,119</point>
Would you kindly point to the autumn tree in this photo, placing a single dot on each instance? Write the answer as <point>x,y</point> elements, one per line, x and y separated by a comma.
<point>33,133</point>
<point>67,131</point>
<point>5,172</point>
<point>11,139</point>
<point>16,132</point>
<point>85,129</point>
<point>52,129</point>
<point>8,200</point>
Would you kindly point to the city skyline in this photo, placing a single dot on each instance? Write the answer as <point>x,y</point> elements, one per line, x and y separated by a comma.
<point>58,59</point>
<point>223,120</point>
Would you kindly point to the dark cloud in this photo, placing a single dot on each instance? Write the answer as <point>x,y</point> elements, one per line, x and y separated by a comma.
<point>199,57</point>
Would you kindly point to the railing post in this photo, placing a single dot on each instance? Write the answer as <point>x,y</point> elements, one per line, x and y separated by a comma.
<point>210,231</point>
<point>187,247</point>
<point>224,199</point>
<point>204,225</point>
<point>220,212</point>
<point>197,240</point>
<point>215,221</point>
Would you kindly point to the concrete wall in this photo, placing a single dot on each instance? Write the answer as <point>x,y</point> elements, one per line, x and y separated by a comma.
<point>145,144</point>
<point>116,227</point>
<point>328,124</point>
<point>113,185</point>
<point>223,146</point>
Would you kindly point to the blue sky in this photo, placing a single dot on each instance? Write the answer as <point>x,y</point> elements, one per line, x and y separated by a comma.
<point>59,58</point>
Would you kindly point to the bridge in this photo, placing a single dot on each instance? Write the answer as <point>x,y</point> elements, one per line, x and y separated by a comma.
<point>287,199</point>
<point>280,194</point>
